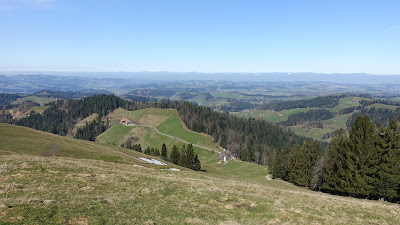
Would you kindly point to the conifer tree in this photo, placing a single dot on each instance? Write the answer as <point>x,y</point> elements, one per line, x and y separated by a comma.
<point>182,157</point>
<point>336,173</point>
<point>197,165</point>
<point>175,155</point>
<point>156,152</point>
<point>164,154</point>
<point>280,167</point>
<point>190,162</point>
<point>384,180</point>
<point>362,145</point>
<point>302,162</point>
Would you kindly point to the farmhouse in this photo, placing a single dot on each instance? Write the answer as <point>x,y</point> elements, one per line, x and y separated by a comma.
<point>125,121</point>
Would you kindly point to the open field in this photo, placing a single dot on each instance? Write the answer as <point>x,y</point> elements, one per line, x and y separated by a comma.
<point>39,100</point>
<point>84,121</point>
<point>271,115</point>
<point>348,102</point>
<point>37,109</point>
<point>167,122</point>
<point>330,125</point>
<point>382,106</point>
<point>23,140</point>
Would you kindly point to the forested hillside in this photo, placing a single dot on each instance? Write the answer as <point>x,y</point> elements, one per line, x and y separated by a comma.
<point>363,163</point>
<point>320,102</point>
<point>252,140</point>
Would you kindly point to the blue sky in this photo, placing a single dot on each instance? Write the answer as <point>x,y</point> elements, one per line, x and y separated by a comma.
<point>207,36</point>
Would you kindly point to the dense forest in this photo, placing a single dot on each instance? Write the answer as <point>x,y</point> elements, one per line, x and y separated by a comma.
<point>363,163</point>
<point>62,115</point>
<point>68,94</point>
<point>6,99</point>
<point>91,130</point>
<point>318,102</point>
<point>236,106</point>
<point>378,115</point>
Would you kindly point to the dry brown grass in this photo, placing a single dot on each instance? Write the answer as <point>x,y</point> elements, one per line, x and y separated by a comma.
<point>64,190</point>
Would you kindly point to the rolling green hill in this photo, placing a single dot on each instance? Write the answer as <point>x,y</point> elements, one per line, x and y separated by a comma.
<point>93,183</point>
<point>167,122</point>
<point>329,125</point>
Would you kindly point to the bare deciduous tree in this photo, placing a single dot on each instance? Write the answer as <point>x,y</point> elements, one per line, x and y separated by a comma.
<point>53,149</point>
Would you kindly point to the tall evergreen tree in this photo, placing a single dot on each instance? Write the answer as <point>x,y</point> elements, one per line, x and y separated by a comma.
<point>362,145</point>
<point>190,158</point>
<point>182,157</point>
<point>280,167</point>
<point>336,173</point>
<point>164,152</point>
<point>175,155</point>
<point>385,179</point>
<point>197,164</point>
<point>302,163</point>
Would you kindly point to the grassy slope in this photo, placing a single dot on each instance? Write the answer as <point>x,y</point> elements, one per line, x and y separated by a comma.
<point>348,102</point>
<point>168,122</point>
<point>83,122</point>
<point>39,100</point>
<point>23,140</point>
<point>37,109</point>
<point>80,190</point>
<point>382,106</point>
<point>329,126</point>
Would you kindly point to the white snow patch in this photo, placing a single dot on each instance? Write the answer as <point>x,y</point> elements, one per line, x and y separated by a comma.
<point>137,165</point>
<point>154,161</point>
<point>173,169</point>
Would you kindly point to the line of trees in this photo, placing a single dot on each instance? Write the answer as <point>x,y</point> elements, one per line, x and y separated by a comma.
<point>91,130</point>
<point>318,102</point>
<point>186,157</point>
<point>363,163</point>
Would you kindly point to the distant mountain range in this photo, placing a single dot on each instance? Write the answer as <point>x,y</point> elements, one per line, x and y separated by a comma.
<point>355,78</point>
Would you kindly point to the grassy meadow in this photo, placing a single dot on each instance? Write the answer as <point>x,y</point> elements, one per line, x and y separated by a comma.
<point>79,188</point>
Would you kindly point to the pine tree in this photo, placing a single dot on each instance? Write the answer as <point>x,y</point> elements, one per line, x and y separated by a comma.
<point>182,157</point>
<point>197,164</point>
<point>164,152</point>
<point>147,151</point>
<point>175,155</point>
<point>280,166</point>
<point>190,162</point>
<point>302,163</point>
<point>336,173</point>
<point>362,145</point>
<point>385,174</point>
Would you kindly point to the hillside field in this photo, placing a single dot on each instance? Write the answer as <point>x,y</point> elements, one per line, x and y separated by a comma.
<point>93,183</point>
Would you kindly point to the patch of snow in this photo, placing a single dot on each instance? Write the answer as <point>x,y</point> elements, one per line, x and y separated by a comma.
<point>173,169</point>
<point>154,161</point>
<point>137,165</point>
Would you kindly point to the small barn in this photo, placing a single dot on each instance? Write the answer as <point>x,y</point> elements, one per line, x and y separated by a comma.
<point>225,156</point>
<point>125,121</point>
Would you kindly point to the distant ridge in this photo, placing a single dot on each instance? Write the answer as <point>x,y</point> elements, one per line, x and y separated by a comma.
<point>345,78</point>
